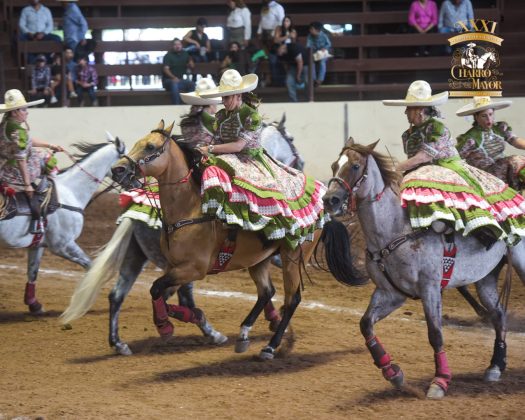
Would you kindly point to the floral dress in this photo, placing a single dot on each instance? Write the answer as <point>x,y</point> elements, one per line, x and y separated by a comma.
<point>251,190</point>
<point>484,149</point>
<point>453,191</point>
<point>16,145</point>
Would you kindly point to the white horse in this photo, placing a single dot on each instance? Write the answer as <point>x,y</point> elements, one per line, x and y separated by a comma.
<point>483,60</point>
<point>272,137</point>
<point>74,186</point>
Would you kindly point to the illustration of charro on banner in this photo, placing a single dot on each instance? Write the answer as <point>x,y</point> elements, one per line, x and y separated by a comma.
<point>475,60</point>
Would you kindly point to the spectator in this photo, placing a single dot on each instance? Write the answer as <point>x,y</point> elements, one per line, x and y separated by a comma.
<point>295,58</point>
<point>320,45</point>
<point>239,23</point>
<point>56,76</point>
<point>86,80</point>
<point>198,43</point>
<point>453,11</point>
<point>285,32</point>
<point>175,65</point>
<point>36,24</point>
<point>232,60</point>
<point>423,18</point>
<point>41,81</point>
<point>272,15</point>
<point>74,24</point>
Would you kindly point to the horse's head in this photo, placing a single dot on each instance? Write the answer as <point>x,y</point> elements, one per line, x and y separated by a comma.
<point>289,156</point>
<point>350,172</point>
<point>146,158</point>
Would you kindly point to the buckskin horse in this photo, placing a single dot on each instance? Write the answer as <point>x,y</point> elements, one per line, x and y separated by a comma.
<point>191,242</point>
<point>405,263</point>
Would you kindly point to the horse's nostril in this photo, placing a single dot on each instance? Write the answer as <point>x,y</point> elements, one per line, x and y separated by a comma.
<point>334,201</point>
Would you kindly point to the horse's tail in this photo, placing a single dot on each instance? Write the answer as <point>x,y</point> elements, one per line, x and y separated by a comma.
<point>104,267</point>
<point>337,253</point>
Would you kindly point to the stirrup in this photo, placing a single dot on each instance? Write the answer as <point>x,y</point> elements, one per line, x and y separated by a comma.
<point>36,226</point>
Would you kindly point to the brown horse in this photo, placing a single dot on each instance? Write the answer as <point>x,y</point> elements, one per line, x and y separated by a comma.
<point>191,242</point>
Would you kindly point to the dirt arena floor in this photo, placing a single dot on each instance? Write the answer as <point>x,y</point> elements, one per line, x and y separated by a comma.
<point>48,372</point>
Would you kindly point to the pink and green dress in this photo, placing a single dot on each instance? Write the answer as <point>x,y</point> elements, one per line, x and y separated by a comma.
<point>450,190</point>
<point>254,192</point>
<point>484,149</point>
<point>142,204</point>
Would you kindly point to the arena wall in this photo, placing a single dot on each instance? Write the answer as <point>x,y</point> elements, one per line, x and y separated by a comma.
<point>319,128</point>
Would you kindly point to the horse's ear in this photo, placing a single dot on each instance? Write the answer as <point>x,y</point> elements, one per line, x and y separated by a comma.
<point>160,127</point>
<point>109,137</point>
<point>372,146</point>
<point>170,127</point>
<point>119,144</point>
<point>349,142</point>
<point>283,120</point>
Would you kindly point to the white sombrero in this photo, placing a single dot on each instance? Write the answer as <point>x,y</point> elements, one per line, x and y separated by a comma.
<point>419,94</point>
<point>14,99</point>
<point>481,103</point>
<point>195,98</point>
<point>233,83</point>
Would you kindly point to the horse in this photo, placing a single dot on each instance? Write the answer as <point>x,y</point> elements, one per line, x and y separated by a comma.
<point>405,263</point>
<point>191,242</point>
<point>134,243</point>
<point>483,59</point>
<point>74,187</point>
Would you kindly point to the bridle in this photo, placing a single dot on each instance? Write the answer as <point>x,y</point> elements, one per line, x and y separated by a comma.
<point>351,203</point>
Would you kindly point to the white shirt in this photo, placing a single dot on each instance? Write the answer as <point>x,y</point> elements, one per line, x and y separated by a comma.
<point>273,18</point>
<point>240,17</point>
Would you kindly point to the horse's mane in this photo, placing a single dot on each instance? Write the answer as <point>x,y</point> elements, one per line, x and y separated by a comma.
<point>84,151</point>
<point>192,156</point>
<point>386,165</point>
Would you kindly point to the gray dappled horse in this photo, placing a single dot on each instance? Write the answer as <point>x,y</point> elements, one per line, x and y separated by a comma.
<point>135,243</point>
<point>74,187</point>
<point>405,264</point>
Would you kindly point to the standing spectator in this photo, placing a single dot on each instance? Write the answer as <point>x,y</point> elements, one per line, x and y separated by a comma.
<point>74,24</point>
<point>36,24</point>
<point>41,81</point>
<point>423,18</point>
<point>85,81</point>
<point>453,11</point>
<point>239,23</point>
<point>272,15</point>
<point>198,43</point>
<point>295,58</point>
<point>320,44</point>
<point>175,64</point>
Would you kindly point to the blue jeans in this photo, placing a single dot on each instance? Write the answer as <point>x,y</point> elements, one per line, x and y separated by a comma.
<point>176,87</point>
<point>319,70</point>
<point>31,57</point>
<point>195,53</point>
<point>291,82</point>
<point>90,91</point>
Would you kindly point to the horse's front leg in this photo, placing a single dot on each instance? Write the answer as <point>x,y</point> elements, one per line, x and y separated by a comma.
<point>382,303</point>
<point>34,256</point>
<point>432,305</point>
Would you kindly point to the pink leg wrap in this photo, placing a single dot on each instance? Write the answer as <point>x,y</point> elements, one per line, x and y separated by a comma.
<point>183,313</point>
<point>29,295</point>
<point>160,318</point>
<point>443,373</point>
<point>382,359</point>
<point>270,313</point>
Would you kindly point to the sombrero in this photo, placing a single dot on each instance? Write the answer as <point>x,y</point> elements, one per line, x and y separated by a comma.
<point>233,83</point>
<point>481,103</point>
<point>14,99</point>
<point>419,94</point>
<point>195,98</point>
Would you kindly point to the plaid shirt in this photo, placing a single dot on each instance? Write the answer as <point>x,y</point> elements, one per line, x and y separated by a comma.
<point>87,74</point>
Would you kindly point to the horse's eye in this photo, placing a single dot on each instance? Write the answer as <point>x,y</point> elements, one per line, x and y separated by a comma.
<point>150,147</point>
<point>356,166</point>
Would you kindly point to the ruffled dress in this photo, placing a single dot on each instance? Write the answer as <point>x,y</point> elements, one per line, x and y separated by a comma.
<point>254,192</point>
<point>484,149</point>
<point>450,190</point>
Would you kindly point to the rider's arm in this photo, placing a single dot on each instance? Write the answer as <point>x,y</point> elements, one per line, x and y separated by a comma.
<point>232,147</point>
<point>42,143</point>
<point>419,158</point>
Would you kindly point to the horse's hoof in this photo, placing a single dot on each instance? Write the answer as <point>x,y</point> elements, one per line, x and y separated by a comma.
<point>435,392</point>
<point>123,349</point>
<point>165,330</point>
<point>36,309</point>
<point>492,374</point>
<point>398,380</point>
<point>217,338</point>
<point>274,324</point>
<point>267,353</point>
<point>241,346</point>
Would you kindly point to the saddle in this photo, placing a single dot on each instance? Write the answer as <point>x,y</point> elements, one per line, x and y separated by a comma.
<point>17,204</point>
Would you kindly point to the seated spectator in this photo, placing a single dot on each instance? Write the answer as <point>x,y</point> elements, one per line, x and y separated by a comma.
<point>453,11</point>
<point>285,32</point>
<point>175,65</point>
<point>36,24</point>
<point>197,42</point>
<point>295,59</point>
<point>320,44</point>
<point>232,60</point>
<point>86,80</point>
<point>74,24</point>
<point>423,18</point>
<point>239,23</point>
<point>41,81</point>
<point>56,78</point>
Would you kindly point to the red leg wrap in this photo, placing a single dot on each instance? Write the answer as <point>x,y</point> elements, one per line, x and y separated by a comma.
<point>270,313</point>
<point>160,318</point>
<point>30,295</point>
<point>381,358</point>
<point>183,313</point>
<point>443,373</point>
